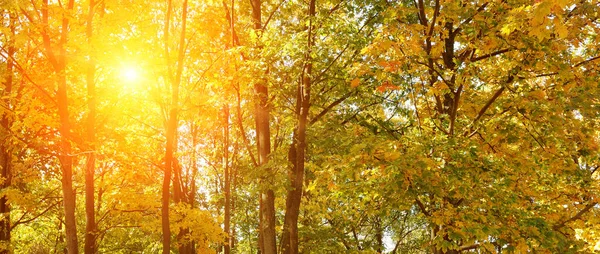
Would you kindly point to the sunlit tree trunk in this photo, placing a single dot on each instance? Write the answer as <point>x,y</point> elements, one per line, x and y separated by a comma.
<point>193,187</point>
<point>67,167</point>
<point>90,216</point>
<point>297,154</point>
<point>185,246</point>
<point>227,177</point>
<point>267,236</point>
<point>5,124</point>
<point>66,158</point>
<point>171,165</point>
<point>233,173</point>
<point>170,136</point>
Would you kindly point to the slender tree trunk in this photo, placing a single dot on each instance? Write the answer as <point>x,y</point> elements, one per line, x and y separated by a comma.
<point>170,135</point>
<point>263,139</point>
<point>67,167</point>
<point>233,173</point>
<point>378,234</point>
<point>59,63</point>
<point>297,154</point>
<point>227,177</point>
<point>90,216</point>
<point>185,246</point>
<point>193,188</point>
<point>233,186</point>
<point>5,153</point>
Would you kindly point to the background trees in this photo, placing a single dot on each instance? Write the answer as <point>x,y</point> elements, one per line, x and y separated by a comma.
<point>299,126</point>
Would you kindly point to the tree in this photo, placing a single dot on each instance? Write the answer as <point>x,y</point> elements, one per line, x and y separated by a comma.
<point>297,153</point>
<point>90,209</point>
<point>330,126</point>
<point>6,125</point>
<point>59,64</point>
<point>267,235</point>
<point>485,80</point>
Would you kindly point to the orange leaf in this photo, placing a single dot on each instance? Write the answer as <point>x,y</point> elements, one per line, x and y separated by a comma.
<point>354,83</point>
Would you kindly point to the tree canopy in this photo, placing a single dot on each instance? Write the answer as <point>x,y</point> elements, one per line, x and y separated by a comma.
<point>287,126</point>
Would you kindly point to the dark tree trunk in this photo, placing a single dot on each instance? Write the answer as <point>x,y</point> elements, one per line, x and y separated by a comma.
<point>227,177</point>
<point>90,216</point>
<point>170,136</point>
<point>5,153</point>
<point>297,154</point>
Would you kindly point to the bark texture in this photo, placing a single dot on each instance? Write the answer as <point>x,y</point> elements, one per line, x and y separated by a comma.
<point>267,242</point>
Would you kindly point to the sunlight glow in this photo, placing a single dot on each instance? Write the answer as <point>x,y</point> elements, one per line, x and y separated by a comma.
<point>130,74</point>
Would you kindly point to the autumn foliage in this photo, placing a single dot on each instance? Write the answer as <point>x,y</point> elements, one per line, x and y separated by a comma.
<point>334,126</point>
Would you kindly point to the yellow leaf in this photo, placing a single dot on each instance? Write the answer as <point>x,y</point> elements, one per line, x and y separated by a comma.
<point>506,29</point>
<point>561,30</point>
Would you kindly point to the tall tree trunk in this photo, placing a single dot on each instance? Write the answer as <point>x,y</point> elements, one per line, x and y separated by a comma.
<point>67,166</point>
<point>297,154</point>
<point>171,165</point>
<point>267,236</point>
<point>193,188</point>
<point>185,246</point>
<point>66,160</point>
<point>5,153</point>
<point>90,216</point>
<point>233,173</point>
<point>170,136</point>
<point>226,175</point>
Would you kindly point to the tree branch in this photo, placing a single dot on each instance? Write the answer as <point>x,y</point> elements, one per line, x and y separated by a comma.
<point>331,106</point>
<point>502,51</point>
<point>587,61</point>
<point>21,221</point>
<point>422,207</point>
<point>271,15</point>
<point>576,216</point>
<point>493,99</point>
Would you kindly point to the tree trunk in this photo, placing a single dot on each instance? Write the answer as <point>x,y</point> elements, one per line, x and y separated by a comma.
<point>297,155</point>
<point>66,160</point>
<point>185,247</point>
<point>378,234</point>
<point>232,195</point>
<point>90,216</point>
<point>5,153</point>
<point>227,177</point>
<point>171,165</point>
<point>65,157</point>
<point>170,135</point>
<point>263,140</point>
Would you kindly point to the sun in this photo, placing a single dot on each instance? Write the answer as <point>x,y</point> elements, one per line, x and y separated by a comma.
<point>130,74</point>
